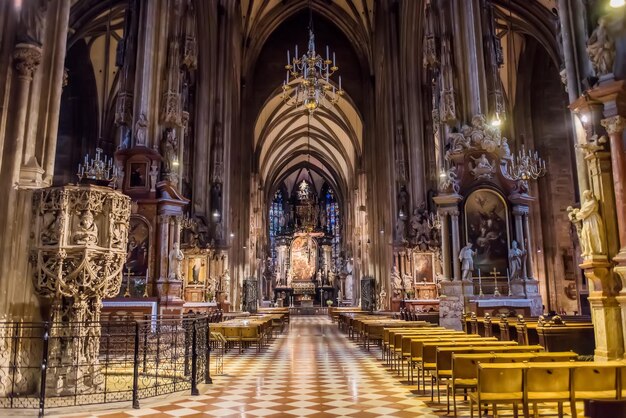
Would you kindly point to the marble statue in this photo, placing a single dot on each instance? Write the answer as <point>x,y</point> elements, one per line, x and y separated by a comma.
<point>87,230</point>
<point>466,257</point>
<point>396,281</point>
<point>176,257</point>
<point>339,296</point>
<point>592,228</point>
<point>401,229</point>
<point>141,127</point>
<point>516,261</point>
<point>226,284</point>
<point>331,277</point>
<point>482,168</point>
<point>318,277</point>
<point>32,22</point>
<point>407,282</point>
<point>169,146</point>
<point>601,49</point>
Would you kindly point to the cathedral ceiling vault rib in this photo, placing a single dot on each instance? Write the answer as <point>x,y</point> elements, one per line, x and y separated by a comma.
<point>355,18</point>
<point>330,141</point>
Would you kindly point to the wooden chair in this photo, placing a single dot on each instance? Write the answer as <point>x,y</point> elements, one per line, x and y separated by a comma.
<point>595,381</point>
<point>233,335</point>
<point>548,382</point>
<point>498,384</point>
<point>252,334</point>
<point>464,374</point>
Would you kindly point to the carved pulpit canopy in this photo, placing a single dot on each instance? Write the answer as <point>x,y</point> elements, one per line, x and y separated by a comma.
<point>479,155</point>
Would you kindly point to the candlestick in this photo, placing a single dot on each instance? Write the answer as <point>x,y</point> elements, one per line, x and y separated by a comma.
<point>145,287</point>
<point>480,285</point>
<point>508,279</point>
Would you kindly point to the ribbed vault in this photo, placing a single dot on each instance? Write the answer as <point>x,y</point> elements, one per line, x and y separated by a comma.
<point>330,141</point>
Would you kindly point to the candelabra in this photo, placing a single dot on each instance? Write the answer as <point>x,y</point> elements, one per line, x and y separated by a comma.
<point>99,170</point>
<point>312,85</point>
<point>526,165</point>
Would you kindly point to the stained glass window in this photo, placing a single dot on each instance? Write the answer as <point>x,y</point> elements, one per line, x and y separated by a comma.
<point>276,220</point>
<point>333,224</point>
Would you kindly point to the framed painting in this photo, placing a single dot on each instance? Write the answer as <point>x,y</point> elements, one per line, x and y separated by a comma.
<point>138,246</point>
<point>423,266</point>
<point>487,229</point>
<point>197,270</point>
<point>137,175</point>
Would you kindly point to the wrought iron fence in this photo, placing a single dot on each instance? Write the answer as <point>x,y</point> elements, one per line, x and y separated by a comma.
<point>46,365</point>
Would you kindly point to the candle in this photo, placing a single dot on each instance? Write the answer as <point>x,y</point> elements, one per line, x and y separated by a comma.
<point>288,57</point>
<point>334,60</point>
<point>327,54</point>
<point>296,51</point>
<point>480,280</point>
<point>339,83</point>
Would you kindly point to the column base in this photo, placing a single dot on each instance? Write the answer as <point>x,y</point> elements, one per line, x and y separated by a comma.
<point>452,303</point>
<point>607,323</point>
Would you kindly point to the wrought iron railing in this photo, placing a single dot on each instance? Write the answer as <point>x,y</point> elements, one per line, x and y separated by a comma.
<point>47,365</point>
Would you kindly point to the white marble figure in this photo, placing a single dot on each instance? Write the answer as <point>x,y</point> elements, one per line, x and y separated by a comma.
<point>601,49</point>
<point>396,281</point>
<point>516,261</point>
<point>482,168</point>
<point>339,297</point>
<point>226,284</point>
<point>466,257</point>
<point>141,126</point>
<point>318,277</point>
<point>592,231</point>
<point>331,277</point>
<point>176,259</point>
<point>407,282</point>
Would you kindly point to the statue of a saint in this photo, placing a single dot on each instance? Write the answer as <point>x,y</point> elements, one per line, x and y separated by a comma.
<point>407,282</point>
<point>331,277</point>
<point>601,49</point>
<point>466,257</point>
<point>176,257</point>
<point>318,277</point>
<point>169,146</point>
<point>87,230</point>
<point>226,284</point>
<point>339,297</point>
<point>141,127</point>
<point>516,261</point>
<point>396,281</point>
<point>592,231</point>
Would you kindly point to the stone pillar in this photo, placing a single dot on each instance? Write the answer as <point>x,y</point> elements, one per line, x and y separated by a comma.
<point>163,240</point>
<point>456,241</point>
<point>445,244</point>
<point>529,247</point>
<point>26,59</point>
<point>615,128</point>
<point>518,213</point>
<point>605,311</point>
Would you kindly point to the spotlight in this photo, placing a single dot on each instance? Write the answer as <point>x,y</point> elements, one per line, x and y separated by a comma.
<point>232,235</point>
<point>496,121</point>
<point>382,231</point>
<point>175,162</point>
<point>617,3</point>
<point>584,119</point>
<point>216,214</point>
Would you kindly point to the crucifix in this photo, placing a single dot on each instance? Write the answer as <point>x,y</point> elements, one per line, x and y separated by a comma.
<point>495,273</point>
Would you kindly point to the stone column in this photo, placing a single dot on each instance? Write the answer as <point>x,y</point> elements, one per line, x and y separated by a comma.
<point>456,241</point>
<point>615,128</point>
<point>518,213</point>
<point>445,244</point>
<point>605,311</point>
<point>529,247</point>
<point>26,59</point>
<point>163,239</point>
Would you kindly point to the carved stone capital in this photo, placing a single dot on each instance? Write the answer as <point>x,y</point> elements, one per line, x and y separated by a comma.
<point>26,59</point>
<point>614,125</point>
<point>520,210</point>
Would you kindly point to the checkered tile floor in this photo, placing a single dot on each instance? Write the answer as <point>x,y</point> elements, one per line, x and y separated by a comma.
<point>310,371</point>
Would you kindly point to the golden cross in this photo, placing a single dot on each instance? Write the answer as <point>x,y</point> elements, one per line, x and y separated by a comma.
<point>495,273</point>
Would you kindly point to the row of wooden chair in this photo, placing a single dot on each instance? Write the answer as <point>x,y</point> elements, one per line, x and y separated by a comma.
<point>531,383</point>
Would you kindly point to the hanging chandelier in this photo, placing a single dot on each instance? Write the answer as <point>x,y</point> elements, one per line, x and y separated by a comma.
<point>311,74</point>
<point>526,165</point>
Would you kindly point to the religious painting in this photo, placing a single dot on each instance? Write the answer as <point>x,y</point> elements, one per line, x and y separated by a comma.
<point>138,246</point>
<point>423,267</point>
<point>487,229</point>
<point>196,270</point>
<point>138,175</point>
<point>303,257</point>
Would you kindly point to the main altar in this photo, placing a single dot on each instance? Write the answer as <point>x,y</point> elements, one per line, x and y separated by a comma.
<point>305,265</point>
